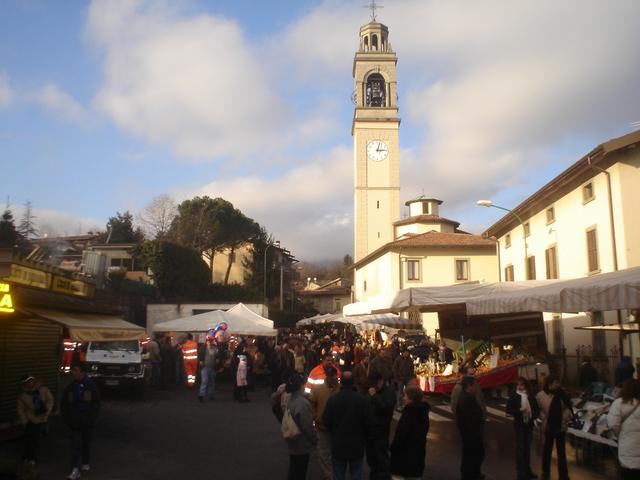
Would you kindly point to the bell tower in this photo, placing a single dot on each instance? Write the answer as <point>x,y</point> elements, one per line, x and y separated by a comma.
<point>375,139</point>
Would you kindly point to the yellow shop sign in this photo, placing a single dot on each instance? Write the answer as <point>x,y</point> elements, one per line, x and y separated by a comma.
<point>29,276</point>
<point>71,287</point>
<point>6,302</point>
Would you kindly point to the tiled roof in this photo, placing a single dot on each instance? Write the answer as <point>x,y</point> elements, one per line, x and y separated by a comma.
<point>442,239</point>
<point>425,219</point>
<point>325,292</point>
<point>432,239</point>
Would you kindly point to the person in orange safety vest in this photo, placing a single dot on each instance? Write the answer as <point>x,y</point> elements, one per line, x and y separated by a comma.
<point>317,375</point>
<point>190,358</point>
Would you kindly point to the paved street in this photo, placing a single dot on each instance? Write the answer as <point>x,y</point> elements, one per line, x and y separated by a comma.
<point>171,435</point>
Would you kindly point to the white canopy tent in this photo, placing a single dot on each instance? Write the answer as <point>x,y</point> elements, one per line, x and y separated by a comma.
<point>195,323</point>
<point>363,322</point>
<point>608,291</point>
<point>315,320</point>
<point>239,319</point>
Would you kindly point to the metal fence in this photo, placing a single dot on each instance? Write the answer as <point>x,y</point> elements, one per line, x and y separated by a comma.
<point>567,366</point>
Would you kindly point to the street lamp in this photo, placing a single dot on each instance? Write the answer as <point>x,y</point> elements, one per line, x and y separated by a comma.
<point>264,268</point>
<point>489,203</point>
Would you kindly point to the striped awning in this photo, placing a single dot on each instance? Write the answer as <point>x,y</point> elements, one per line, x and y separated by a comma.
<point>364,322</point>
<point>598,293</point>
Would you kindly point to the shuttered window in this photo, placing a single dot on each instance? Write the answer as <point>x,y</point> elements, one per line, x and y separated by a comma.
<point>508,273</point>
<point>462,270</point>
<point>413,270</point>
<point>531,268</point>
<point>551,258</point>
<point>592,250</point>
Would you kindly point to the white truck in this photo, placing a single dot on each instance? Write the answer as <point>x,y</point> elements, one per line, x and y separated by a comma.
<point>116,364</point>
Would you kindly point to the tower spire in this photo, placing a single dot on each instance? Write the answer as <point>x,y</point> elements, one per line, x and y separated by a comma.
<point>373,6</point>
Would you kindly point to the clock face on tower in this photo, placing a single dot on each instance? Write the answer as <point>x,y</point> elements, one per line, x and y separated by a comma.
<point>377,150</point>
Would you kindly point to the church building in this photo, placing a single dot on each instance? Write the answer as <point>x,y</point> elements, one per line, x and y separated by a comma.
<point>391,253</point>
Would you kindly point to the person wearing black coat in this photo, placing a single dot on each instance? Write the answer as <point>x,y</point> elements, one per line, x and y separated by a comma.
<point>409,444</point>
<point>381,402</point>
<point>347,421</point>
<point>80,407</point>
<point>523,407</point>
<point>470,420</point>
<point>588,374</point>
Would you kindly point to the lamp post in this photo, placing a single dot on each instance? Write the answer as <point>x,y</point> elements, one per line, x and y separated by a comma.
<point>264,268</point>
<point>489,203</point>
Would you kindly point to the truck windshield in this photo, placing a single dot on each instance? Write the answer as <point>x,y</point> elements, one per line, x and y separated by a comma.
<point>124,345</point>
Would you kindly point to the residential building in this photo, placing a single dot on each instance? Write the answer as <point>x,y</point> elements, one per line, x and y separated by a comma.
<point>328,297</point>
<point>427,250</point>
<point>586,221</point>
<point>120,256</point>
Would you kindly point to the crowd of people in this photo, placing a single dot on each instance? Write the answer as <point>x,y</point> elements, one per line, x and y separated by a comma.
<point>342,395</point>
<point>335,394</point>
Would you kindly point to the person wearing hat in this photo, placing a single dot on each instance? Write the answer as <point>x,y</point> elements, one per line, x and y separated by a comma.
<point>35,404</point>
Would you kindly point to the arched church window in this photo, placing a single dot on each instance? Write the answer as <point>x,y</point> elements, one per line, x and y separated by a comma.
<point>375,91</point>
<point>374,42</point>
<point>366,43</point>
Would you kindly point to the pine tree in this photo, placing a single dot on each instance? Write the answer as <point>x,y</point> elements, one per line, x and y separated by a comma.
<point>27,227</point>
<point>9,236</point>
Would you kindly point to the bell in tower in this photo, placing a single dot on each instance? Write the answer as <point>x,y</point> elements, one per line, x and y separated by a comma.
<point>375,93</point>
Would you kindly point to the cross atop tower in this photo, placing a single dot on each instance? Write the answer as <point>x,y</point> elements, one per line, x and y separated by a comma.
<point>373,6</point>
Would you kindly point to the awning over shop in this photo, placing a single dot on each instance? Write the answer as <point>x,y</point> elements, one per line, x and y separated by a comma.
<point>240,320</point>
<point>604,292</point>
<point>623,328</point>
<point>315,320</point>
<point>86,327</point>
<point>598,293</point>
<point>364,322</point>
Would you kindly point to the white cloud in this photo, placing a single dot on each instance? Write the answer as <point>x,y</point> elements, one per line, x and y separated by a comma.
<point>308,208</point>
<point>6,92</point>
<point>189,82</point>
<point>58,101</point>
<point>52,222</point>
<point>494,86</point>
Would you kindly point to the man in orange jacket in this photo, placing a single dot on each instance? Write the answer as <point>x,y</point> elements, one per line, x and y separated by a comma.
<point>190,358</point>
<point>318,374</point>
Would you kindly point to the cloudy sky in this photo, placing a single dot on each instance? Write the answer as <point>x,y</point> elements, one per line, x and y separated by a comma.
<point>106,104</point>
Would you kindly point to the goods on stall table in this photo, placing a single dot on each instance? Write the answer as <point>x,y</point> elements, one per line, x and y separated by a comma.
<point>502,375</point>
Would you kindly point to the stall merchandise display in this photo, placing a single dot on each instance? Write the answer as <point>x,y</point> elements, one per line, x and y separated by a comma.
<point>495,365</point>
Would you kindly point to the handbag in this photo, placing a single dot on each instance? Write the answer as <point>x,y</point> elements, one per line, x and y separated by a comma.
<point>289,427</point>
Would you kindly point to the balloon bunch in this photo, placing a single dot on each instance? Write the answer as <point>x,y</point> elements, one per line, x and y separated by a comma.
<point>219,333</point>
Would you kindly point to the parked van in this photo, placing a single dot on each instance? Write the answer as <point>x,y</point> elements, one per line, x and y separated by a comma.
<point>117,364</point>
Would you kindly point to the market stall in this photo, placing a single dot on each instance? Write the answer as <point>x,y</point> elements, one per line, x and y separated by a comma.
<point>239,320</point>
<point>363,322</point>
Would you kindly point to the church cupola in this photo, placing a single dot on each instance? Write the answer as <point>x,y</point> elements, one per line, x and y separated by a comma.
<point>374,67</point>
<point>423,206</point>
<point>374,37</point>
